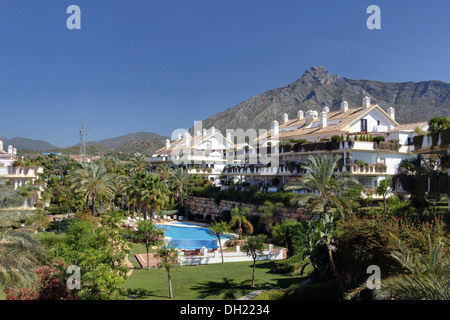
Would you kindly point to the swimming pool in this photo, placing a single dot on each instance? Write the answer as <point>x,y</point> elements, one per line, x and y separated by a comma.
<point>189,236</point>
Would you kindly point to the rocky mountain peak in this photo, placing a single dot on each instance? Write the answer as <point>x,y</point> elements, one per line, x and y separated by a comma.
<point>318,76</point>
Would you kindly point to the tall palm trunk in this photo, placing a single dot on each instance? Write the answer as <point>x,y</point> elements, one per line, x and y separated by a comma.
<point>220,246</point>
<point>336,273</point>
<point>93,205</point>
<point>147,245</point>
<point>170,284</point>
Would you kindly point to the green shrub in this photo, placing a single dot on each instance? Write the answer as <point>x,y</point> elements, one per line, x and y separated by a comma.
<point>378,139</point>
<point>289,265</point>
<point>337,138</point>
<point>272,295</point>
<point>59,209</point>
<point>328,290</point>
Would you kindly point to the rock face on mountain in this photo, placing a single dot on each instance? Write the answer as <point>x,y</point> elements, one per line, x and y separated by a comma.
<point>317,88</point>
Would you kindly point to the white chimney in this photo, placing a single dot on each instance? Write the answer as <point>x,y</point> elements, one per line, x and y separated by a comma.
<point>167,143</point>
<point>198,133</point>
<point>326,109</point>
<point>204,131</point>
<point>229,136</point>
<point>344,106</point>
<point>366,102</point>
<point>179,136</point>
<point>1,145</point>
<point>187,139</point>
<point>310,116</point>
<point>15,151</point>
<point>213,130</point>
<point>391,113</point>
<point>10,149</point>
<point>285,118</point>
<point>275,131</point>
<point>323,119</point>
<point>300,115</point>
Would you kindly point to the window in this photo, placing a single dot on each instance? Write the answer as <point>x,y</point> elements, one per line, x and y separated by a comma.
<point>378,122</point>
<point>363,125</point>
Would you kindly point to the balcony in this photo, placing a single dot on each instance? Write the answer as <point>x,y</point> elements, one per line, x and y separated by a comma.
<point>390,146</point>
<point>438,141</point>
<point>12,172</point>
<point>293,169</point>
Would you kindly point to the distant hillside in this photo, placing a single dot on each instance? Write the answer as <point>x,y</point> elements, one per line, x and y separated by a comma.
<point>113,143</point>
<point>317,88</point>
<point>141,142</point>
<point>94,150</point>
<point>145,147</point>
<point>25,143</point>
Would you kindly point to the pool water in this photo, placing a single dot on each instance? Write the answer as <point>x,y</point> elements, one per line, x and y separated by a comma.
<point>188,236</point>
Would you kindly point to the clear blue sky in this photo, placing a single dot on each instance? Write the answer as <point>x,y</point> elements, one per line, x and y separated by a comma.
<point>159,65</point>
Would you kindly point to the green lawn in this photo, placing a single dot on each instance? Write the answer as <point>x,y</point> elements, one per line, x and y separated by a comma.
<point>208,282</point>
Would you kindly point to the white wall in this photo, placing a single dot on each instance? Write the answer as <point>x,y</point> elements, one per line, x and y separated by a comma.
<point>372,117</point>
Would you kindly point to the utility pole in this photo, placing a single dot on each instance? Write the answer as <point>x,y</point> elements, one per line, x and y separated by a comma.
<point>83,135</point>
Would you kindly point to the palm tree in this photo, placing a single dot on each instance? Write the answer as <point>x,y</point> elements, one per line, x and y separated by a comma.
<point>148,234</point>
<point>146,190</point>
<point>269,209</point>
<point>164,171</point>
<point>323,184</point>
<point>218,229</point>
<point>138,164</point>
<point>428,278</point>
<point>238,216</point>
<point>93,179</point>
<point>20,253</point>
<point>383,188</point>
<point>180,182</point>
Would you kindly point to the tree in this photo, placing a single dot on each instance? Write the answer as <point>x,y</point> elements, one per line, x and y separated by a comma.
<point>428,276</point>
<point>269,209</point>
<point>437,124</point>
<point>180,182</point>
<point>164,171</point>
<point>168,258</point>
<point>146,190</point>
<point>20,253</point>
<point>383,188</point>
<point>148,234</point>
<point>219,229</point>
<point>326,237</point>
<point>238,217</point>
<point>324,186</point>
<point>51,284</point>
<point>253,247</point>
<point>93,179</point>
<point>138,164</point>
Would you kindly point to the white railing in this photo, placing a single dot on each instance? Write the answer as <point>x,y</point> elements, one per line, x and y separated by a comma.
<point>208,257</point>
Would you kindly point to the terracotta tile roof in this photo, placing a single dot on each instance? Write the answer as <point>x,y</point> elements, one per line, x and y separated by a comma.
<point>338,122</point>
<point>410,126</point>
<point>195,142</point>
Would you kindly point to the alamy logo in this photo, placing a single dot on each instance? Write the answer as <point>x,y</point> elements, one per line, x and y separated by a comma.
<point>74,20</point>
<point>374,280</point>
<point>374,21</point>
<point>74,281</point>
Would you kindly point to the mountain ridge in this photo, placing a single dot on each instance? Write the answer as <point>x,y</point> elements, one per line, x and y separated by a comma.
<point>317,88</point>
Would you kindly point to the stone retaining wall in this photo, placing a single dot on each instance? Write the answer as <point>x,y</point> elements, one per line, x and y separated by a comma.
<point>207,206</point>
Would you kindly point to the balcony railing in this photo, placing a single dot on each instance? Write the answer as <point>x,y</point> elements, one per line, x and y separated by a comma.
<point>366,169</point>
<point>392,146</point>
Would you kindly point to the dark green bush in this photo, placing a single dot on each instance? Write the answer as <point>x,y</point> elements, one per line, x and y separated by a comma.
<point>289,265</point>
<point>59,209</point>
<point>378,138</point>
<point>328,290</point>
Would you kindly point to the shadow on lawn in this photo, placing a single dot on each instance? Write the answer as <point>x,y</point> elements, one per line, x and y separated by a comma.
<point>141,293</point>
<point>231,290</point>
<point>227,287</point>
